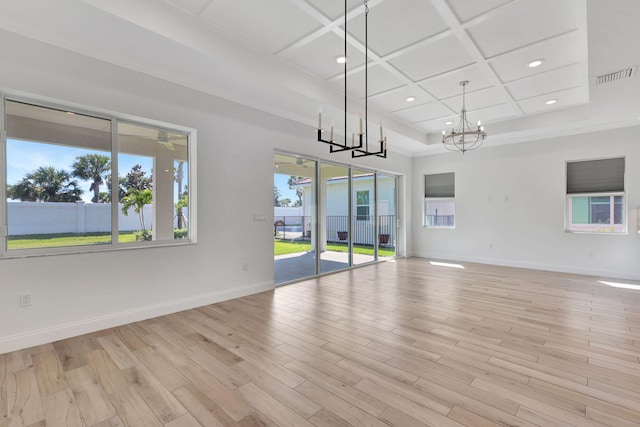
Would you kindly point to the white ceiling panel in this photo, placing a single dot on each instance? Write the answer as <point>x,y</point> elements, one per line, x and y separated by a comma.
<point>466,10</point>
<point>279,55</point>
<point>397,99</point>
<point>493,114</point>
<point>475,99</point>
<point>565,98</point>
<point>557,52</point>
<point>192,6</point>
<point>319,56</point>
<point>448,85</point>
<point>432,59</point>
<point>391,27</point>
<point>486,115</point>
<point>549,82</point>
<point>423,112</point>
<point>270,25</point>
<point>524,22</point>
<point>380,80</point>
<point>334,9</point>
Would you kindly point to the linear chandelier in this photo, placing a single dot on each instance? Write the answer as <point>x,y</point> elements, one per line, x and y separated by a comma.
<point>463,138</point>
<point>361,149</point>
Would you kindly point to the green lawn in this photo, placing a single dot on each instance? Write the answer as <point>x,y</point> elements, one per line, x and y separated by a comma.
<point>282,247</point>
<point>35,241</point>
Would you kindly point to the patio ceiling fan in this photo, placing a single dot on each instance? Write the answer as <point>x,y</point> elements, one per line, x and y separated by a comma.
<point>299,162</point>
<point>164,138</point>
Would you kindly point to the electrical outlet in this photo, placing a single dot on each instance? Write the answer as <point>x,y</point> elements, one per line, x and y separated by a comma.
<point>25,300</point>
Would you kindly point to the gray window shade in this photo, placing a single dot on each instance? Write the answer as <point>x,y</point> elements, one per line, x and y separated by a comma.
<point>440,185</point>
<point>595,176</point>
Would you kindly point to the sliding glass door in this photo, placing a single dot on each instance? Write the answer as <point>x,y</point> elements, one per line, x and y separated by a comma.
<point>363,220</point>
<point>329,217</point>
<point>294,218</point>
<point>386,212</point>
<point>334,227</point>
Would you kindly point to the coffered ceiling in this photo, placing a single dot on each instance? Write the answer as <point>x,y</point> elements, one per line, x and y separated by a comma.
<point>280,56</point>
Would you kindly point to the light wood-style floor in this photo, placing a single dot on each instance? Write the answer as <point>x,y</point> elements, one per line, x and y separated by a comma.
<point>401,343</point>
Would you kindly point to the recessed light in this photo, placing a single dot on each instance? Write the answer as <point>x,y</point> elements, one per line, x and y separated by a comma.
<point>536,63</point>
<point>551,101</point>
<point>411,98</point>
<point>448,123</point>
<point>341,59</point>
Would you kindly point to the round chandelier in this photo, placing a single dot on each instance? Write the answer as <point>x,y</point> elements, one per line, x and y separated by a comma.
<point>464,138</point>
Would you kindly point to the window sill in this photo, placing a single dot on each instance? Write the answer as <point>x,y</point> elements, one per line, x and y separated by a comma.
<point>75,250</point>
<point>606,233</point>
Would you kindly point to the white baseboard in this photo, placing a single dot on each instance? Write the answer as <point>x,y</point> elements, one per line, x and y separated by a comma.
<point>68,330</point>
<point>532,265</point>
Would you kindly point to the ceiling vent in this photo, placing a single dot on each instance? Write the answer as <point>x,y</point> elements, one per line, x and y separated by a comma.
<point>616,75</point>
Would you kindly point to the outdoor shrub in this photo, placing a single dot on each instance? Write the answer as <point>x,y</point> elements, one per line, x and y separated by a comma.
<point>143,235</point>
<point>180,233</point>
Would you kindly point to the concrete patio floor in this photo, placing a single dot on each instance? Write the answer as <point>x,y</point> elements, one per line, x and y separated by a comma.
<point>303,264</point>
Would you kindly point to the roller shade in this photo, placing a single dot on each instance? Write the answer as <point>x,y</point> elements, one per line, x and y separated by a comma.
<point>595,176</point>
<point>440,185</point>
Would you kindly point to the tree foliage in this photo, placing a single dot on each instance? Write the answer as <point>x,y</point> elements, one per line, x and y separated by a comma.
<point>299,191</point>
<point>45,184</point>
<point>137,199</point>
<point>276,196</point>
<point>94,168</point>
<point>183,199</point>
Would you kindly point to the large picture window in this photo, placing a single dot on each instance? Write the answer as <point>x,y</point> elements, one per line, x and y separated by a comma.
<point>439,200</point>
<point>71,183</point>
<point>595,196</point>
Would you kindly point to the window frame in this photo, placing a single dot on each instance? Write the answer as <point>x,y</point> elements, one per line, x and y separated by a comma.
<point>612,193</point>
<point>432,199</point>
<point>450,195</point>
<point>366,217</point>
<point>114,118</point>
<point>602,227</point>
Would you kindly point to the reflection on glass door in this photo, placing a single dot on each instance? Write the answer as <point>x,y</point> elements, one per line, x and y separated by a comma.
<point>294,212</point>
<point>387,216</point>
<point>363,224</point>
<point>334,211</point>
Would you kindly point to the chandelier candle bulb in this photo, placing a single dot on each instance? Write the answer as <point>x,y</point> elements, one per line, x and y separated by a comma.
<point>385,143</point>
<point>320,119</point>
<point>381,136</point>
<point>353,139</point>
<point>331,135</point>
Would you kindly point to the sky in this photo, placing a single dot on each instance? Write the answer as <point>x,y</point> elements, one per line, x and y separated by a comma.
<point>24,157</point>
<point>280,181</point>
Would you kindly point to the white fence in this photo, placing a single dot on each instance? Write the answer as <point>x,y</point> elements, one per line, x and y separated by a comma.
<point>80,217</point>
<point>280,211</point>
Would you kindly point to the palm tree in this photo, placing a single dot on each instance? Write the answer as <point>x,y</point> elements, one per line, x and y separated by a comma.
<point>292,184</point>
<point>45,184</point>
<point>136,199</point>
<point>94,167</point>
<point>178,177</point>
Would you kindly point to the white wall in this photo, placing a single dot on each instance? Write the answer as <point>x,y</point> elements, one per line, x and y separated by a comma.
<point>513,197</point>
<point>73,294</point>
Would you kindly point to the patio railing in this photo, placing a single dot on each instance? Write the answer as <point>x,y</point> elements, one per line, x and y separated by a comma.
<point>337,229</point>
